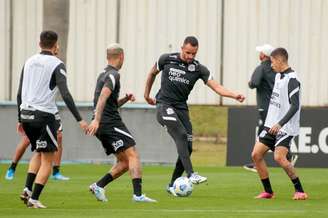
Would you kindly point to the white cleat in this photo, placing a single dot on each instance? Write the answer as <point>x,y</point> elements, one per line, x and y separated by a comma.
<point>26,194</point>
<point>143,198</point>
<point>35,204</point>
<point>98,192</point>
<point>197,179</point>
<point>171,191</point>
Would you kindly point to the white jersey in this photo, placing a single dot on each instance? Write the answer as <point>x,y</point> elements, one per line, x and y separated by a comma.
<point>36,92</point>
<point>280,104</point>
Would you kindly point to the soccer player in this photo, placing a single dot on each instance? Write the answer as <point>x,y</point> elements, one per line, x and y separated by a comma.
<point>263,80</point>
<point>281,125</point>
<point>180,71</point>
<point>109,128</point>
<point>25,142</point>
<point>42,75</point>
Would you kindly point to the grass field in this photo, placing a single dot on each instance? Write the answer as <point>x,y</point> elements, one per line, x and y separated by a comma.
<point>228,193</point>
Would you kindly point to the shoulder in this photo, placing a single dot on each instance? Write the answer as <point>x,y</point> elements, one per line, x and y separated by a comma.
<point>113,74</point>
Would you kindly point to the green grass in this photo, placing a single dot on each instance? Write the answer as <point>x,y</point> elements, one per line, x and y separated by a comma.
<point>228,193</point>
<point>209,120</point>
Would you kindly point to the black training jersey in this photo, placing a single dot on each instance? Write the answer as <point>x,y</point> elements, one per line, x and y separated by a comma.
<point>111,79</point>
<point>178,79</point>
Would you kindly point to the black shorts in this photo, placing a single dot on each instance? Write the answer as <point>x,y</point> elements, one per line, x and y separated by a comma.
<point>272,141</point>
<point>41,129</point>
<point>115,138</point>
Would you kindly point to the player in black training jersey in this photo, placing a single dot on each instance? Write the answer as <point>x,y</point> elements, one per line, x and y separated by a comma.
<point>180,71</point>
<point>108,127</point>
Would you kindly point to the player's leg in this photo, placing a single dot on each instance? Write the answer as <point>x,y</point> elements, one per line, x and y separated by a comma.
<point>56,174</point>
<point>280,157</point>
<point>32,171</point>
<point>41,179</point>
<point>19,152</point>
<point>120,167</point>
<point>258,153</point>
<point>136,175</point>
<point>167,117</point>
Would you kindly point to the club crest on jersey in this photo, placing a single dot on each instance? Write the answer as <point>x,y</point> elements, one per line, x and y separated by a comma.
<point>191,67</point>
<point>169,111</point>
<point>116,145</point>
<point>41,144</point>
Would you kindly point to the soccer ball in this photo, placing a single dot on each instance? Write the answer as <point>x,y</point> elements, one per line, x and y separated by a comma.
<point>182,186</point>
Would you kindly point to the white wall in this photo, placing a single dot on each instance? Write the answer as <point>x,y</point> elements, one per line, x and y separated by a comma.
<point>4,49</point>
<point>301,26</point>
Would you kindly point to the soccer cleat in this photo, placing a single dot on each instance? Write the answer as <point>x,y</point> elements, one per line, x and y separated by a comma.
<point>59,176</point>
<point>197,179</point>
<point>10,174</point>
<point>35,204</point>
<point>98,192</point>
<point>265,195</point>
<point>25,196</point>
<point>143,198</point>
<point>294,159</point>
<point>300,196</point>
<point>171,191</point>
<point>250,167</point>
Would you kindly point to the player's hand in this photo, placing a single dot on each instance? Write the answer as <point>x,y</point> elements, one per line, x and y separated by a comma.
<point>240,98</point>
<point>83,125</point>
<point>130,97</point>
<point>275,129</point>
<point>150,101</point>
<point>93,127</point>
<point>20,129</point>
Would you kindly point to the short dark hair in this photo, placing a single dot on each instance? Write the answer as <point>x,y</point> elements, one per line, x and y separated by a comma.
<point>48,39</point>
<point>192,40</point>
<point>281,52</point>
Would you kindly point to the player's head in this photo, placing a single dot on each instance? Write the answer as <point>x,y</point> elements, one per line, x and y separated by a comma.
<point>279,59</point>
<point>189,49</point>
<point>115,55</point>
<point>264,51</point>
<point>49,41</point>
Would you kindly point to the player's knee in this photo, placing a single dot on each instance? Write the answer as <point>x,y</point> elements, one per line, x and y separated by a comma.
<point>256,156</point>
<point>279,158</point>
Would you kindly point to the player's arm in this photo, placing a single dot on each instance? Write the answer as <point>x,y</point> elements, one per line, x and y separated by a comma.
<point>256,77</point>
<point>59,79</point>
<point>149,84</point>
<point>294,100</point>
<point>128,97</point>
<point>19,102</point>
<point>216,87</point>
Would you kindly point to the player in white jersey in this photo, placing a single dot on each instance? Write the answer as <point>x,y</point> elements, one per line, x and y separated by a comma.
<point>42,75</point>
<point>281,125</point>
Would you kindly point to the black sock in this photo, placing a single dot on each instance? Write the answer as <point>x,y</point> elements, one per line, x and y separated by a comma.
<point>136,186</point>
<point>178,171</point>
<point>297,185</point>
<point>13,166</point>
<point>105,180</point>
<point>37,191</point>
<point>267,185</point>
<point>55,170</point>
<point>30,180</point>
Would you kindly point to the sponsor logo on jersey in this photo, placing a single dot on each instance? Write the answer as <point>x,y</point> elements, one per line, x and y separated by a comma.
<point>169,111</point>
<point>116,145</point>
<point>41,144</point>
<point>191,67</point>
<point>176,75</point>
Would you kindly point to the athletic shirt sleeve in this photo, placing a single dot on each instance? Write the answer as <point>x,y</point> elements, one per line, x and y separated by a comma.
<point>205,74</point>
<point>256,77</point>
<point>161,62</point>
<point>19,94</point>
<point>59,80</point>
<point>293,95</point>
<point>112,80</point>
